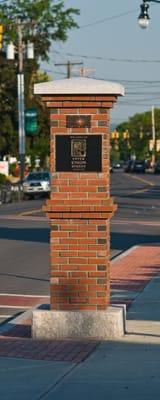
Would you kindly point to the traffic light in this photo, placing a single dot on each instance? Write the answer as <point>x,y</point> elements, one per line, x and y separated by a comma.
<point>126,135</point>
<point>114,135</point>
<point>1,36</point>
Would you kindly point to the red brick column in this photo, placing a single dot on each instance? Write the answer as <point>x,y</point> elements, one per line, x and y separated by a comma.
<point>79,210</point>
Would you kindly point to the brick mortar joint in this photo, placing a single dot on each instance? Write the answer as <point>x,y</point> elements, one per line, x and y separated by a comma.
<point>89,216</point>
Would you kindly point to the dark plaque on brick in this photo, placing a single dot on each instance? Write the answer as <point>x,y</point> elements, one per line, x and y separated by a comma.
<point>78,121</point>
<point>78,153</point>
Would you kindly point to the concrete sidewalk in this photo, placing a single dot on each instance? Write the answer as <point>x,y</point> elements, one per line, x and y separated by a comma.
<point>126,369</point>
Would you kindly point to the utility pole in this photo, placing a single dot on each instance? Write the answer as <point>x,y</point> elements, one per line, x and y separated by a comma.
<point>21,116</point>
<point>69,65</point>
<point>153,138</point>
<point>20,87</point>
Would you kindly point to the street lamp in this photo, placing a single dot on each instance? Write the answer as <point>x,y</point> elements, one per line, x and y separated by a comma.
<point>20,89</point>
<point>144,18</point>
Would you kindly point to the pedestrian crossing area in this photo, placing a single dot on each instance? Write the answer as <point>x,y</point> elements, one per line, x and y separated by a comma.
<point>12,305</point>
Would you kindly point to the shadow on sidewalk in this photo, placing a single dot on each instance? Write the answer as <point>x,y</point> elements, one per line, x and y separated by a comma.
<point>26,234</point>
<point>124,241</point>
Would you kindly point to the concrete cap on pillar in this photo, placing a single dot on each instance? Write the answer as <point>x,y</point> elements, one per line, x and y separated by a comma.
<point>79,86</point>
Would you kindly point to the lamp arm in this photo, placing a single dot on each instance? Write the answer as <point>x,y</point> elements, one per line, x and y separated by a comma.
<point>151,1</point>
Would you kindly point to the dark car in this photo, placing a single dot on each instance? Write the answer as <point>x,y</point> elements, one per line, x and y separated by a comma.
<point>135,166</point>
<point>157,168</point>
<point>111,168</point>
<point>139,166</point>
<point>129,166</point>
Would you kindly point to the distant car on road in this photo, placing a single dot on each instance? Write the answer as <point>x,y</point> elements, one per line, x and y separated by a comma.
<point>117,165</point>
<point>139,166</point>
<point>136,166</point>
<point>111,168</point>
<point>128,166</point>
<point>36,183</point>
<point>157,167</point>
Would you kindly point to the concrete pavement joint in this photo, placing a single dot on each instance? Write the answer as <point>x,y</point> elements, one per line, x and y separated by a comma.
<point>58,382</point>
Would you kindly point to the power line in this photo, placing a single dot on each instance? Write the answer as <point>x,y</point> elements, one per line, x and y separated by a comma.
<point>102,21</point>
<point>130,80</point>
<point>111,59</point>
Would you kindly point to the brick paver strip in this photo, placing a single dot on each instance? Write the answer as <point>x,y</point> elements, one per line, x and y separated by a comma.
<point>131,272</point>
<point>50,350</point>
<point>22,301</point>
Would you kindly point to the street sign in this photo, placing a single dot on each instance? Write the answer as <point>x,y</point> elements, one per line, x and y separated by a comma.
<point>31,124</point>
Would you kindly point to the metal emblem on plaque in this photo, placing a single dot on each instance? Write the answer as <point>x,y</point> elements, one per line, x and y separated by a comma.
<point>78,148</point>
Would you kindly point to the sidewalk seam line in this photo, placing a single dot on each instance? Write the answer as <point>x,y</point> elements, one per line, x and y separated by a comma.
<point>59,380</point>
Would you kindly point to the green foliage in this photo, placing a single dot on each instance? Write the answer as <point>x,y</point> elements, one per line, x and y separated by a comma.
<point>8,107</point>
<point>139,127</point>
<point>43,21</point>
<point>12,169</point>
<point>2,179</point>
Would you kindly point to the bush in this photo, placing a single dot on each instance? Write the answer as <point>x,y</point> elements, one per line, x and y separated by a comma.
<point>14,169</point>
<point>3,179</point>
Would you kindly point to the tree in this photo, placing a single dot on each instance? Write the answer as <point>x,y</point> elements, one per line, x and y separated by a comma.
<point>8,108</point>
<point>140,132</point>
<point>43,21</point>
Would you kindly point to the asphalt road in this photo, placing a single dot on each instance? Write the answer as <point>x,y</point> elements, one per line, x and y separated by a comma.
<point>138,217</point>
<point>24,237</point>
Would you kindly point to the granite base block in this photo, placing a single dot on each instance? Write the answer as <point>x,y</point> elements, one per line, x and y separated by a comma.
<point>109,324</point>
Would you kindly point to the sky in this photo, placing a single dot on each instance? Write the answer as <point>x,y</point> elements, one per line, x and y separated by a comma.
<point>111,44</point>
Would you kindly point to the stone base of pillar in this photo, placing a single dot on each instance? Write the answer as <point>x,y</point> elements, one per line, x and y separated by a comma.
<point>109,324</point>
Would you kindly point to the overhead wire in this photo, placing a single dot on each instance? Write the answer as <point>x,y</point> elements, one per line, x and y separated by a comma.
<point>140,87</point>
<point>107,19</point>
<point>111,59</point>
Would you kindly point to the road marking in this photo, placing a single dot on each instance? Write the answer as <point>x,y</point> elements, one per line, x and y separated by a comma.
<point>23,295</point>
<point>23,218</point>
<point>18,307</point>
<point>129,222</point>
<point>5,316</point>
<point>137,207</point>
<point>139,191</point>
<point>142,180</point>
<point>29,212</point>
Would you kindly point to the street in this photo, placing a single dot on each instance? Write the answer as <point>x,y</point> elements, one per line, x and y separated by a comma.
<point>24,237</point>
<point>137,218</point>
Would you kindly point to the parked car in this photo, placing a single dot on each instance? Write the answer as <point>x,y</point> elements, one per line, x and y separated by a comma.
<point>135,166</point>
<point>118,165</point>
<point>36,183</point>
<point>139,166</point>
<point>157,167</point>
<point>128,166</point>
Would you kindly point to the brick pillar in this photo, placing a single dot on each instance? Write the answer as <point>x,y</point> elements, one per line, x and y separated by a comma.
<point>80,206</point>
